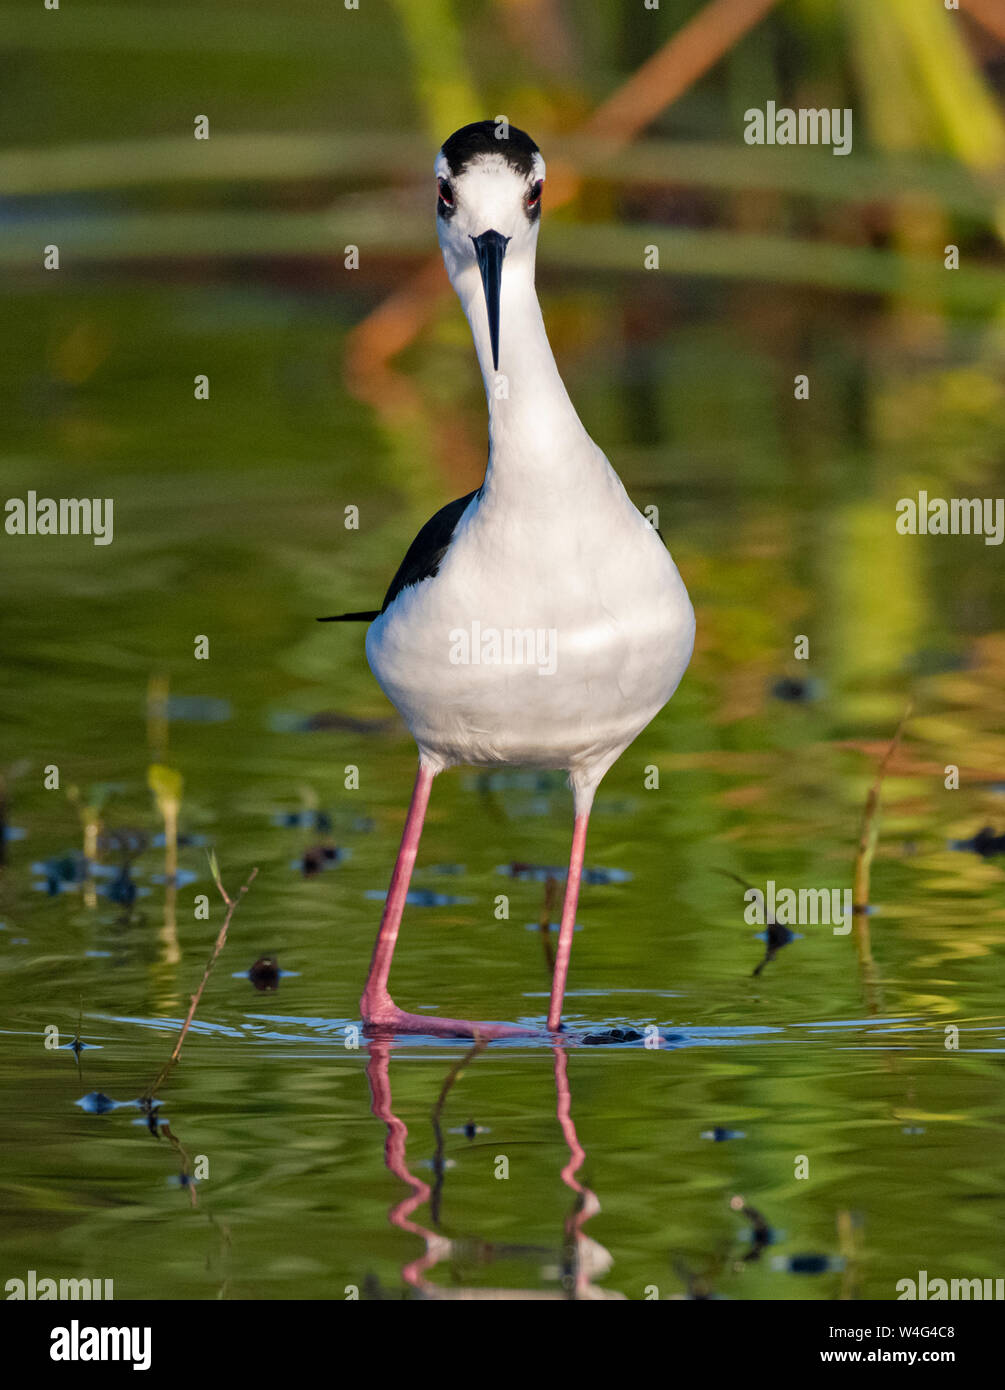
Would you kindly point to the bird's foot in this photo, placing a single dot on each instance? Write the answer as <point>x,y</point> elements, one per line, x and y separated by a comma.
<point>382,1016</point>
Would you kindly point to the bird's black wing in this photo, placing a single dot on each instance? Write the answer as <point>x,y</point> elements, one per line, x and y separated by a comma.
<point>422,559</point>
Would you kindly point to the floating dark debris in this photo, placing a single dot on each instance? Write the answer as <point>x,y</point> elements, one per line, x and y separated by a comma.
<point>123,840</point>
<point>152,1122</point>
<point>471,1130</point>
<point>760,1233</point>
<point>97,1103</point>
<point>265,974</point>
<point>985,843</point>
<point>797,690</point>
<point>719,1135</point>
<point>185,841</point>
<point>541,873</point>
<point>807,1264</point>
<point>422,897</point>
<point>320,821</point>
<point>548,927</point>
<point>61,874</point>
<point>612,1035</point>
<point>121,889</point>
<point>775,936</point>
<point>318,858</point>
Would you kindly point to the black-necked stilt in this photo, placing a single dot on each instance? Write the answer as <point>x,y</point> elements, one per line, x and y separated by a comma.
<point>540,620</point>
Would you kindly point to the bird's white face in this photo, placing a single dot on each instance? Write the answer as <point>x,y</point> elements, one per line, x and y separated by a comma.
<point>488,209</point>
<point>489,194</point>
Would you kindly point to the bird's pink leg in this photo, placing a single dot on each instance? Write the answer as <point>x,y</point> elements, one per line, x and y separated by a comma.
<point>377,1007</point>
<point>568,919</point>
<point>376,1004</point>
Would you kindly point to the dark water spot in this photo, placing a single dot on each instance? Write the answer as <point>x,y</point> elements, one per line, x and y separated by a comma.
<point>320,821</point>
<point>551,927</point>
<point>759,1234</point>
<point>471,1130</point>
<point>123,840</point>
<point>62,873</point>
<point>14,832</point>
<point>718,1135</point>
<point>612,1035</point>
<point>797,690</point>
<point>775,936</point>
<point>807,1264</point>
<point>541,873</point>
<point>198,709</point>
<point>121,889</point>
<point>318,858</point>
<point>279,974</point>
<point>985,843</point>
<point>265,973</point>
<point>97,1103</point>
<point>327,721</point>
<point>185,841</point>
<point>421,897</point>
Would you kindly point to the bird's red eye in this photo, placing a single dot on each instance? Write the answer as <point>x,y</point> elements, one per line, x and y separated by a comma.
<point>446,193</point>
<point>534,196</point>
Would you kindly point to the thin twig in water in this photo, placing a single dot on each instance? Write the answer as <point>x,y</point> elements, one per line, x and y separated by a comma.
<point>870,824</point>
<point>439,1167</point>
<point>221,940</point>
<point>863,861</point>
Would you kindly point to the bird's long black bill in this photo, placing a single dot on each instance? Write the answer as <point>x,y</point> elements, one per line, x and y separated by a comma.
<point>490,248</point>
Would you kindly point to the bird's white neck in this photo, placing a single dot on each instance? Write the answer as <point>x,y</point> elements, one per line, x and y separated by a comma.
<point>535,434</point>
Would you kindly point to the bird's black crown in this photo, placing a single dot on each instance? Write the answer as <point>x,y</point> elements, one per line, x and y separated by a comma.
<point>518,149</point>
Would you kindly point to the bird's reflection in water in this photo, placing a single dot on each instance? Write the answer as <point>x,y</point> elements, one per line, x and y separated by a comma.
<point>581,1259</point>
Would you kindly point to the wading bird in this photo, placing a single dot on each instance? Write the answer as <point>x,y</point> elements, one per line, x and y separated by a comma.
<point>540,620</point>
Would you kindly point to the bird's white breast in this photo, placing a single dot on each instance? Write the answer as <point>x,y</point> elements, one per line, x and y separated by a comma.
<point>556,628</point>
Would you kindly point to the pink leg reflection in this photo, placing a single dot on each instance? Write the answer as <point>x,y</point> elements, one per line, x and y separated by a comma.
<point>584,1258</point>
